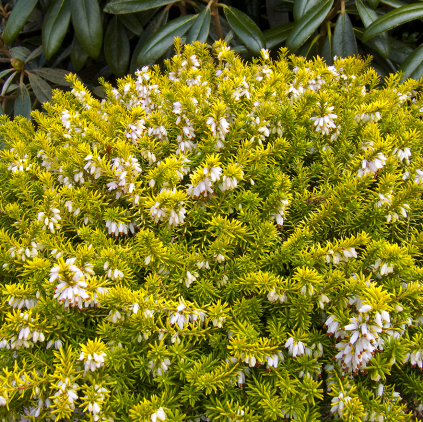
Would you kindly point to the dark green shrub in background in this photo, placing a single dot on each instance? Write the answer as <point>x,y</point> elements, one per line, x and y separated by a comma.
<point>99,38</point>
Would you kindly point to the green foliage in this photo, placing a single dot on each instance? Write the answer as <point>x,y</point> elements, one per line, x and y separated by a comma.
<point>28,78</point>
<point>246,29</point>
<point>215,241</point>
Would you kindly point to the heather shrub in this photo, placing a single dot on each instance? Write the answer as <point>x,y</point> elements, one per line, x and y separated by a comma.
<point>218,241</point>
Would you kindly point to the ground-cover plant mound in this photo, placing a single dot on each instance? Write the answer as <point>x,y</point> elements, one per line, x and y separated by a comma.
<point>221,241</point>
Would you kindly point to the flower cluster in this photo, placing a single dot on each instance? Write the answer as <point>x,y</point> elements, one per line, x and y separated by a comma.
<point>228,183</point>
<point>19,302</point>
<point>360,338</point>
<point>219,321</point>
<point>189,278</point>
<point>372,167</point>
<point>275,295</point>
<point>94,405</point>
<point>50,219</point>
<point>173,217</point>
<point>403,154</point>
<point>28,334</point>
<point>182,318</point>
<point>219,257</point>
<point>343,255</point>
<point>20,164</point>
<point>41,404</point>
<point>57,344</point>
<point>140,95</point>
<point>187,132</point>
<point>241,90</point>
<point>295,347</point>
<point>158,368</point>
<point>73,281</point>
<point>80,95</point>
<point>22,254</point>
<point>148,155</point>
<point>205,187</point>
<point>273,360</point>
<point>418,180</point>
<point>158,415</point>
<point>415,358</point>
<point>135,131</point>
<point>393,216</point>
<point>119,228</point>
<point>219,129</point>
<point>261,129</point>
<point>115,316</point>
<point>159,132</point>
<point>251,361</point>
<point>126,172</point>
<point>223,281</point>
<point>203,264</point>
<point>113,273</point>
<point>66,119</point>
<point>242,373</point>
<point>338,404</point>
<point>326,122</point>
<point>367,117</point>
<point>385,267</point>
<point>179,318</point>
<point>66,394</point>
<point>92,167</point>
<point>93,356</point>
<point>322,299</point>
<point>279,215</point>
<point>384,199</point>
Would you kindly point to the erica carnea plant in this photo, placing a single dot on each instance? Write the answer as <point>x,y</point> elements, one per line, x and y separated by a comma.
<point>219,241</point>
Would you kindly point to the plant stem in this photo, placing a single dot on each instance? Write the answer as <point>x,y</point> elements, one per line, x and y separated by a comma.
<point>334,12</point>
<point>164,12</point>
<point>5,50</point>
<point>7,97</point>
<point>182,8</point>
<point>216,19</point>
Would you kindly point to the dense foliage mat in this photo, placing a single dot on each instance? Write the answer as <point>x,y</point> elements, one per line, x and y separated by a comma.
<point>220,241</point>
